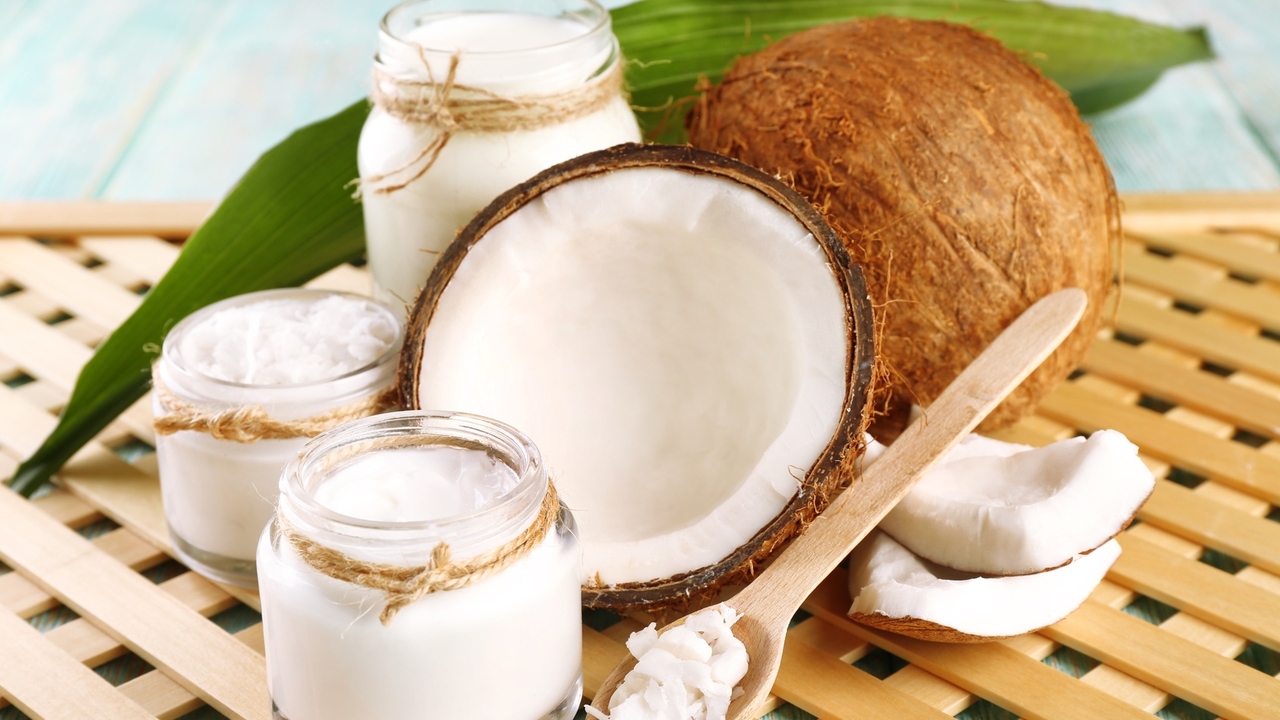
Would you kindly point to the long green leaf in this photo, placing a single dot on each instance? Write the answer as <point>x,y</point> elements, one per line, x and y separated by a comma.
<point>1102,59</point>
<point>289,219</point>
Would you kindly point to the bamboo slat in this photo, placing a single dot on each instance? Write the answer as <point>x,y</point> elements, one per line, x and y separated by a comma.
<point>45,682</point>
<point>1199,394</point>
<point>167,634</point>
<point>73,219</point>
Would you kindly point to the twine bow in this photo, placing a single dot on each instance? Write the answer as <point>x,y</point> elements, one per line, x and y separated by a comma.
<point>403,585</point>
<point>449,108</point>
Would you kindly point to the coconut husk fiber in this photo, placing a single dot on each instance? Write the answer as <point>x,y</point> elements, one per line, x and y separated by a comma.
<point>961,180</point>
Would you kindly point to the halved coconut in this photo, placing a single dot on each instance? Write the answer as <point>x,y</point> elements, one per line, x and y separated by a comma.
<point>683,337</point>
<point>897,591</point>
<point>1000,508</point>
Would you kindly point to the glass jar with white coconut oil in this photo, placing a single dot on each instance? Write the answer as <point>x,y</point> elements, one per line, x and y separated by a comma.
<point>239,388</point>
<point>421,566</point>
<point>472,97</point>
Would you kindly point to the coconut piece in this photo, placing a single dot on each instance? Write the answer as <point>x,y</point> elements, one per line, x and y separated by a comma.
<point>1000,508</point>
<point>897,591</point>
<point>688,672</point>
<point>963,181</point>
<point>684,339</point>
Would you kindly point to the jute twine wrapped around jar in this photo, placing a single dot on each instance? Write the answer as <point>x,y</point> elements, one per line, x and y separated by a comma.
<point>449,108</point>
<point>401,584</point>
<point>252,423</point>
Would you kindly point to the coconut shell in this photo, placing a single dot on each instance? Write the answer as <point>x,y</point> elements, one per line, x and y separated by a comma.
<point>961,180</point>
<point>921,629</point>
<point>834,468</point>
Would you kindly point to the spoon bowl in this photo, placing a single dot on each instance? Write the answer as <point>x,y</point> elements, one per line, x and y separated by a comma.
<point>768,603</point>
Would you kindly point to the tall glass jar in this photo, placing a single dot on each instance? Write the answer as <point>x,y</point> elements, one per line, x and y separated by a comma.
<point>373,502</point>
<point>471,98</point>
<point>218,472</point>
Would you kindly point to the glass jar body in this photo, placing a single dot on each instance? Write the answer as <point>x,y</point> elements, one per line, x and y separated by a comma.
<point>507,646</point>
<point>219,494</point>
<point>408,228</point>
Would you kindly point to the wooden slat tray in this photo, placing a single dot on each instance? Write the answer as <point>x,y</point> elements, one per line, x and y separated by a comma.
<point>1191,374</point>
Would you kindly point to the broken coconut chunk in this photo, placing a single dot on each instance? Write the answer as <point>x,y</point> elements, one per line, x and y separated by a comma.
<point>899,592</point>
<point>689,672</point>
<point>999,508</point>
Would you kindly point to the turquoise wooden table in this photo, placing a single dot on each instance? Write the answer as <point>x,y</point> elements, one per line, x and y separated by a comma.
<point>162,100</point>
<point>151,99</point>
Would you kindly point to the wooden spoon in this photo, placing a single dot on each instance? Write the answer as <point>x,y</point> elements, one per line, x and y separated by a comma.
<point>769,602</point>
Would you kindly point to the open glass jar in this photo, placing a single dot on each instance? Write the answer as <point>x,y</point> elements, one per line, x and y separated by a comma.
<point>421,566</point>
<point>222,443</point>
<point>471,98</point>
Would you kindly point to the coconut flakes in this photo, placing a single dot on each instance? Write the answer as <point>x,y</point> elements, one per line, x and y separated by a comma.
<point>689,672</point>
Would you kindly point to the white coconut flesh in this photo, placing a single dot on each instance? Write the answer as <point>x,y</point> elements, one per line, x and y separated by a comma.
<point>887,581</point>
<point>674,343</point>
<point>1001,508</point>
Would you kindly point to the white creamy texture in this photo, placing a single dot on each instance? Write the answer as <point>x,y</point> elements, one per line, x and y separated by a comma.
<point>407,229</point>
<point>416,484</point>
<point>1003,509</point>
<point>680,369</point>
<point>508,646</point>
<point>288,341</point>
<point>689,672</point>
<point>885,578</point>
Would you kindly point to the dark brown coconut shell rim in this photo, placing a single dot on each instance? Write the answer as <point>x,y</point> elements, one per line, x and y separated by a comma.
<point>831,472</point>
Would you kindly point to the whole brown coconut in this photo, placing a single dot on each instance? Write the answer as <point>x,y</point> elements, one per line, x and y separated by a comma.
<point>962,181</point>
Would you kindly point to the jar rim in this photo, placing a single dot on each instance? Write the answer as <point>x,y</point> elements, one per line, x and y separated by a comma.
<point>603,24</point>
<point>179,366</point>
<point>509,445</point>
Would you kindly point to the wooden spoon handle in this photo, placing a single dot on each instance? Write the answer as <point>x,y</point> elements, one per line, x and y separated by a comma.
<point>1005,363</point>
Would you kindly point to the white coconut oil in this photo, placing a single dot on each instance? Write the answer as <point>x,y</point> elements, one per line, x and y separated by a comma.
<point>389,490</point>
<point>548,49</point>
<point>295,354</point>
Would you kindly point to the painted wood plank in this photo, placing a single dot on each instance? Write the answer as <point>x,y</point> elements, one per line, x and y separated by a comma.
<point>1188,132</point>
<point>45,682</point>
<point>1202,391</point>
<point>1244,33</point>
<point>196,653</point>
<point>71,219</point>
<point>76,61</point>
<point>263,70</point>
<point>1216,683</point>
<point>1199,589</point>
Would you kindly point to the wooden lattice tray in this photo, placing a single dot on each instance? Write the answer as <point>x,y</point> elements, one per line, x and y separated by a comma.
<point>1187,622</point>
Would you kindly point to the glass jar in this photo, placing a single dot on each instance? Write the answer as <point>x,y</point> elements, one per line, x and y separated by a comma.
<point>218,479</point>
<point>424,174</point>
<point>385,494</point>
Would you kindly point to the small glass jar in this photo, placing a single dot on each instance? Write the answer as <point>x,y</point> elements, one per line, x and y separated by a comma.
<point>219,493</point>
<point>507,646</point>
<point>544,53</point>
